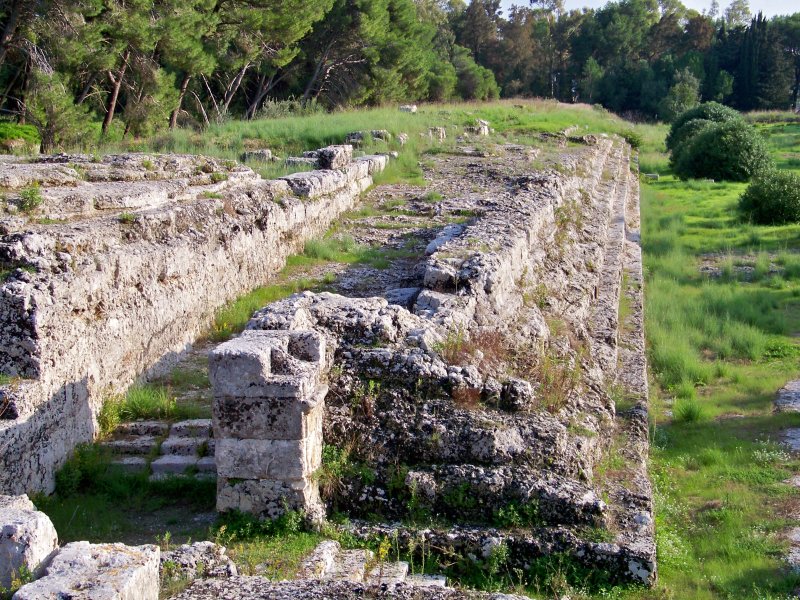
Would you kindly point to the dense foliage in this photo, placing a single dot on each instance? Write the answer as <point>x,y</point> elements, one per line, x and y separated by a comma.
<point>727,151</point>
<point>772,199</point>
<point>131,67</point>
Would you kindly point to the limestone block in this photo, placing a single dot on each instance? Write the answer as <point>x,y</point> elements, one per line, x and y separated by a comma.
<point>375,162</point>
<point>269,459</point>
<point>98,572</point>
<point>381,134</point>
<point>27,537</point>
<point>402,138</point>
<point>335,157</point>
<point>261,364</point>
<point>201,559</point>
<point>262,155</point>
<point>269,418</point>
<point>409,108</point>
<point>313,184</point>
<point>269,497</point>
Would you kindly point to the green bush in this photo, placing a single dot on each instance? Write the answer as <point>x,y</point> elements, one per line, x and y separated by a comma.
<point>710,111</point>
<point>684,136</point>
<point>772,198</point>
<point>731,151</point>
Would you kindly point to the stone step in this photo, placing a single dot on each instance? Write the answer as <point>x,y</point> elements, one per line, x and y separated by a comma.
<point>350,565</point>
<point>130,464</point>
<point>388,573</point>
<point>426,581</point>
<point>187,446</point>
<point>475,492</point>
<point>151,428</point>
<point>170,465</point>
<point>192,428</point>
<point>140,445</point>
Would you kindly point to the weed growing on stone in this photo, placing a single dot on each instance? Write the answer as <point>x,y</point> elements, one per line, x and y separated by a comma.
<point>30,198</point>
<point>126,218</point>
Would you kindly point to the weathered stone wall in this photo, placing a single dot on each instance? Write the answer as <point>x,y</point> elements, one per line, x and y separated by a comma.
<point>102,299</point>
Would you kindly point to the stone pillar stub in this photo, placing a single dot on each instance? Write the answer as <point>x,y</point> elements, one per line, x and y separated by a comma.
<point>267,416</point>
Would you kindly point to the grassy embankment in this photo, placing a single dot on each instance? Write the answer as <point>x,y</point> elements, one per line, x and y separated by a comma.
<point>721,341</point>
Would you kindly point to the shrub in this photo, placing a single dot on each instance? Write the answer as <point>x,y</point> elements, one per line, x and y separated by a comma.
<point>688,410</point>
<point>30,198</point>
<point>772,198</point>
<point>726,151</point>
<point>683,137</point>
<point>710,111</point>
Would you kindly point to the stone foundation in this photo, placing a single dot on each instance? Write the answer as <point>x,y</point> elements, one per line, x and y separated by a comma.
<point>133,277</point>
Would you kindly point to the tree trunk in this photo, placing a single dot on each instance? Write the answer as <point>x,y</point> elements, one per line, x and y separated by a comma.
<point>234,87</point>
<point>86,89</point>
<point>117,84</point>
<point>202,109</point>
<point>317,70</point>
<point>261,90</point>
<point>9,29</point>
<point>173,118</point>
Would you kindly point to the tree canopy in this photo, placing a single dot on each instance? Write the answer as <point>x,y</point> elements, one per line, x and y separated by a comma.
<point>132,67</point>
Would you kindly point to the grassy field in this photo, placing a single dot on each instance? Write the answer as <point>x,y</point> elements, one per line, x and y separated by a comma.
<point>722,319</point>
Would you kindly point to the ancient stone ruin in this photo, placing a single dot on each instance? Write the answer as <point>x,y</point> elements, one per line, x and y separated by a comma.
<point>121,267</point>
<point>487,390</point>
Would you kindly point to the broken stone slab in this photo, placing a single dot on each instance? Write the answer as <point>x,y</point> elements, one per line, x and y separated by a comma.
<point>388,573</point>
<point>350,565</point>
<point>335,157</point>
<point>402,138</point>
<point>447,234</point>
<point>269,418</point>
<point>429,581</point>
<point>98,572</point>
<point>409,108</point>
<point>788,398</point>
<point>269,459</point>
<point>27,538</point>
<point>300,161</point>
<point>200,559</point>
<point>321,560</point>
<point>262,155</point>
<point>264,364</point>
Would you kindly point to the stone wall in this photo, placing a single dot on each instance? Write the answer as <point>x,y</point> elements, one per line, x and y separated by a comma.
<point>91,303</point>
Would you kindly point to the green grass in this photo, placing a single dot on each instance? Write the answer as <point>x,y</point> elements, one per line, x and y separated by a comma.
<point>719,348</point>
<point>145,402</point>
<point>98,502</point>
